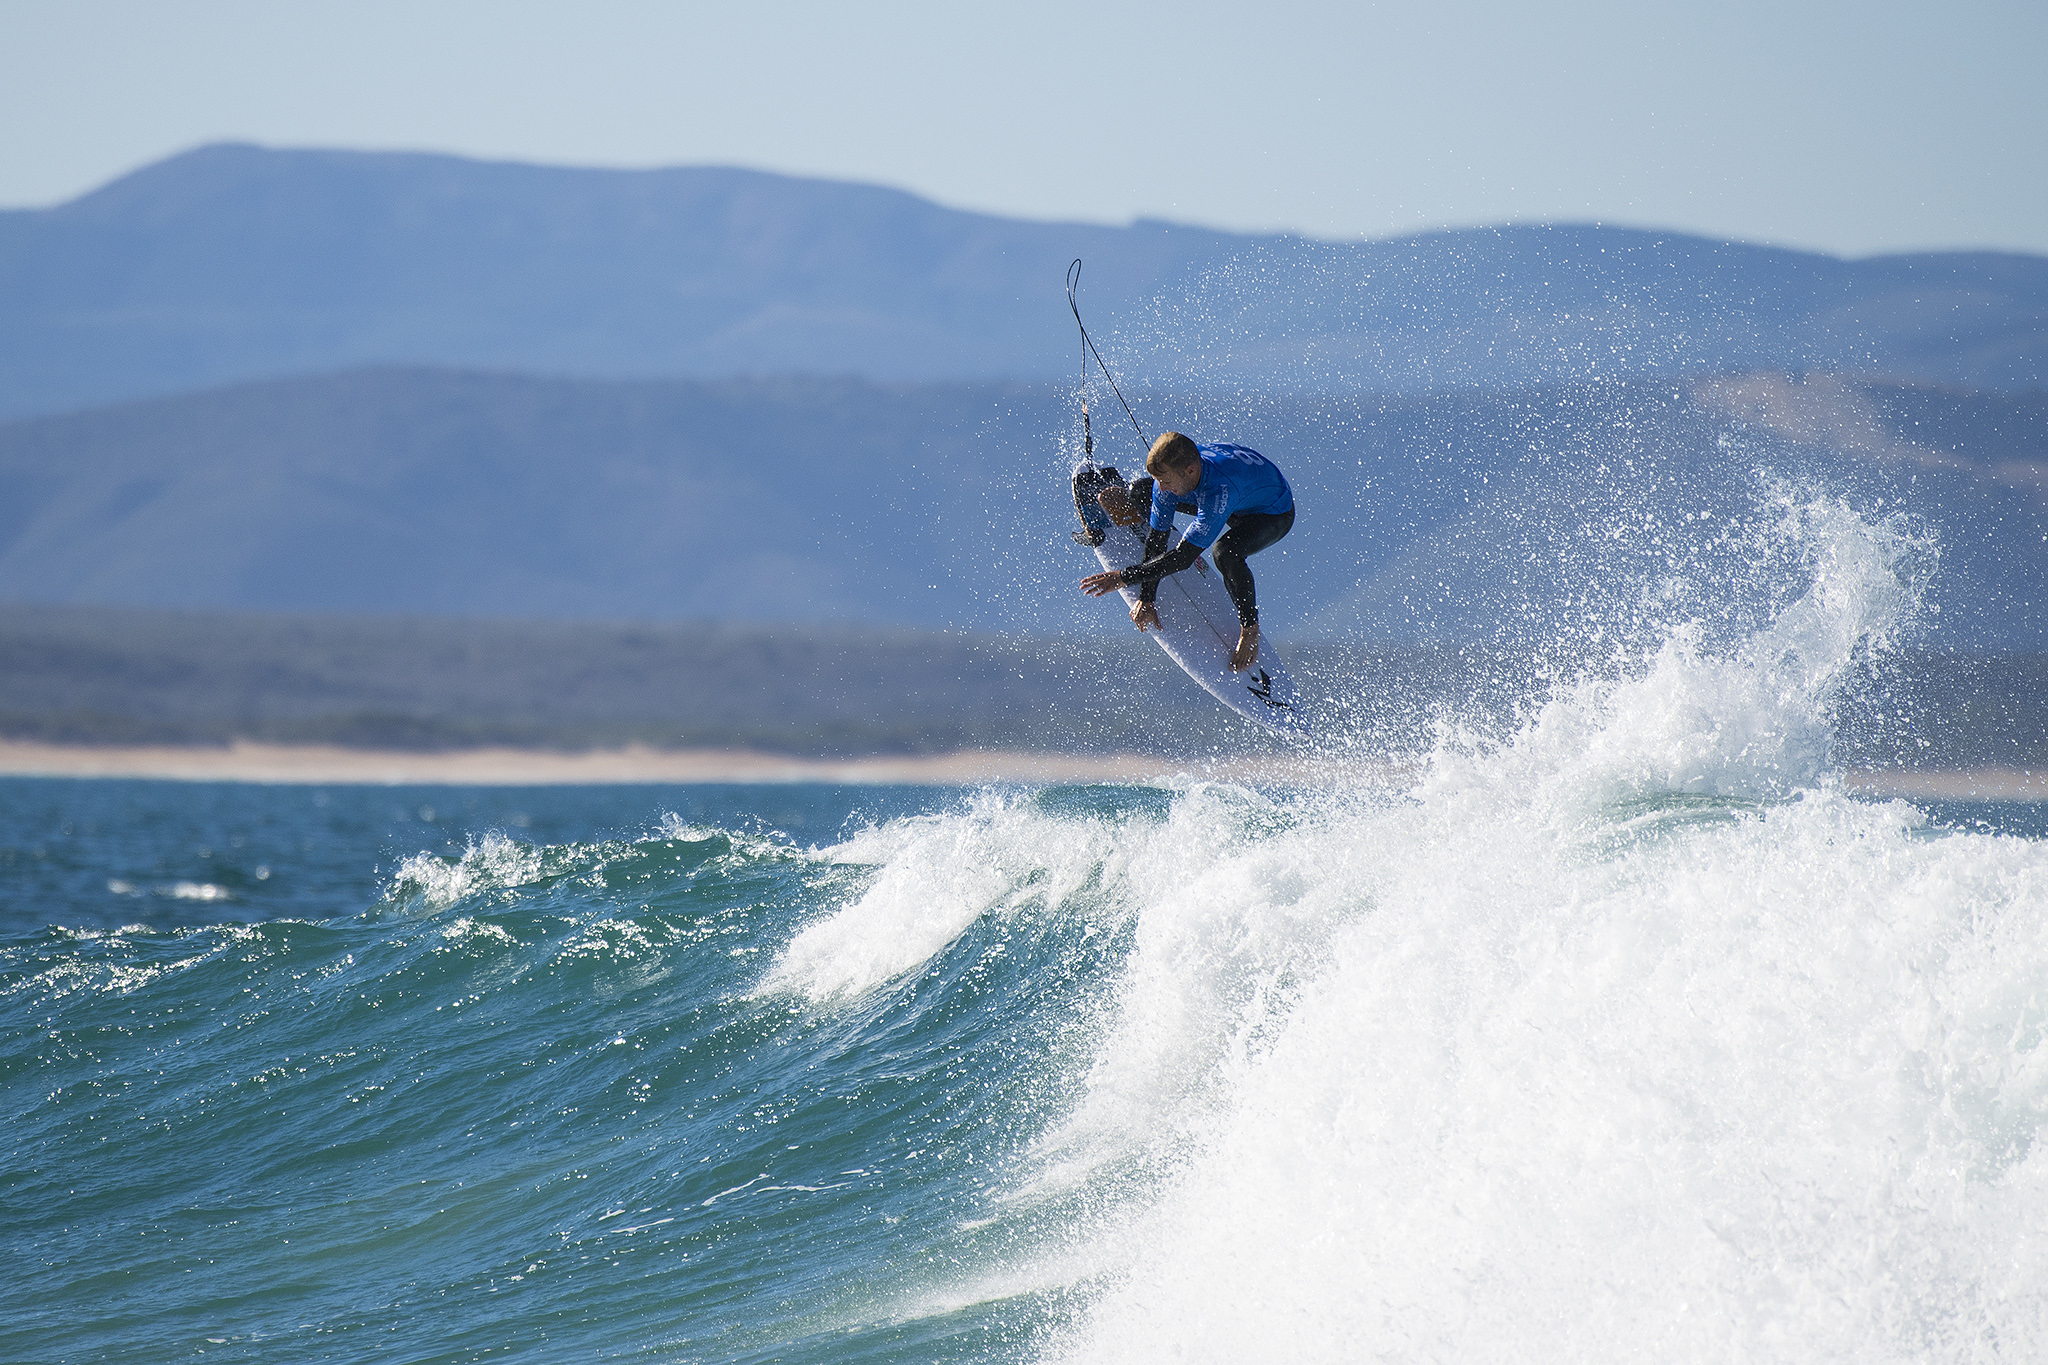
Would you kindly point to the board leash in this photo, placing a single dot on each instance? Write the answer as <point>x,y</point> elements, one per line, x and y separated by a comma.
<point>1088,349</point>
<point>1088,458</point>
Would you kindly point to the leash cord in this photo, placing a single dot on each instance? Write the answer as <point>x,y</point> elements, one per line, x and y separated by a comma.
<point>1088,349</point>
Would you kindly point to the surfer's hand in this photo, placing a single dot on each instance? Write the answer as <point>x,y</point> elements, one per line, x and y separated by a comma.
<point>1146,616</point>
<point>1096,584</point>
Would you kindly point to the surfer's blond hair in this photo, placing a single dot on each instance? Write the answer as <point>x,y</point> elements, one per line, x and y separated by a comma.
<point>1171,451</point>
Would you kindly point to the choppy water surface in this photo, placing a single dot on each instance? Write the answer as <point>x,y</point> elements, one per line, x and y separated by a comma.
<point>1623,1036</point>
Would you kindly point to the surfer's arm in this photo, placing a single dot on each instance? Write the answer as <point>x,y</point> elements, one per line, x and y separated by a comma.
<point>1159,562</point>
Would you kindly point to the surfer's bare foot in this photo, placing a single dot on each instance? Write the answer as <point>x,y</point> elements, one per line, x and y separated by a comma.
<point>1116,501</point>
<point>1247,648</point>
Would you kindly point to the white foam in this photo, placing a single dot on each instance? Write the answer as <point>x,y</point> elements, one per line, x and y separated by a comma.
<point>1633,1039</point>
<point>936,876</point>
<point>1232,909</point>
<point>1748,722</point>
<point>1767,1089</point>
<point>1628,1038</point>
<point>486,864</point>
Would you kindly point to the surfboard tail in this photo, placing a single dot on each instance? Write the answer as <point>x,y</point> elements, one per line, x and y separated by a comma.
<point>1089,481</point>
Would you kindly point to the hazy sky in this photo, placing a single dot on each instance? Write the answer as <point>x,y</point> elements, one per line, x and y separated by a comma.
<point>1852,128</point>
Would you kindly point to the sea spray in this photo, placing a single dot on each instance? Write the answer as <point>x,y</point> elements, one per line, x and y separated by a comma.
<point>1633,1038</point>
<point>1680,702</point>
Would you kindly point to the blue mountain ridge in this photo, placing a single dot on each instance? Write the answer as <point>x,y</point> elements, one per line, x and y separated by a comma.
<point>235,262</point>
<point>1436,519</point>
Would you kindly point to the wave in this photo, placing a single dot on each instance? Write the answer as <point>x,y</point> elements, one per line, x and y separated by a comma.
<point>1628,1037</point>
<point>1617,1032</point>
<point>1625,1035</point>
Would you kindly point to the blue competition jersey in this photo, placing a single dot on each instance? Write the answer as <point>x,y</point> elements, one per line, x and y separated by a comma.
<point>1234,479</point>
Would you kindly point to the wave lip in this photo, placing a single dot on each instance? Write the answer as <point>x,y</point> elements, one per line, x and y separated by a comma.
<point>930,878</point>
<point>1750,718</point>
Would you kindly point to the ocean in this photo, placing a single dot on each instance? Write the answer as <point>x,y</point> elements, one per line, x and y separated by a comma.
<point>1616,1029</point>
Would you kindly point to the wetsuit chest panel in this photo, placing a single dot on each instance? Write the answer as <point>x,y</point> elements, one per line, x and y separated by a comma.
<point>1234,479</point>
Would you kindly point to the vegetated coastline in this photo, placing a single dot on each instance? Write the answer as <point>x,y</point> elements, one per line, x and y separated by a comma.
<point>300,696</point>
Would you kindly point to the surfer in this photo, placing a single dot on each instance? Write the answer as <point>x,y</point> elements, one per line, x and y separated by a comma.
<point>1241,504</point>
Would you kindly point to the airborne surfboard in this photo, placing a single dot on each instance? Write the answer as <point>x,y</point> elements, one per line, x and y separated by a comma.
<point>1198,631</point>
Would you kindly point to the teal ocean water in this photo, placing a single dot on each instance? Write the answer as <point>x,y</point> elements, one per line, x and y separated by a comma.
<point>735,1074</point>
<point>1622,1033</point>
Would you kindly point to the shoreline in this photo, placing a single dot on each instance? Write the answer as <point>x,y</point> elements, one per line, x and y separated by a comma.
<point>333,765</point>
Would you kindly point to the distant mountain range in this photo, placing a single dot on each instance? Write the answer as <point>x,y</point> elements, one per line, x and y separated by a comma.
<point>1506,518</point>
<point>232,263</point>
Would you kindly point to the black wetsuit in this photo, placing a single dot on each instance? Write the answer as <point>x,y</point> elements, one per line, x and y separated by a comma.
<point>1248,533</point>
<point>1241,503</point>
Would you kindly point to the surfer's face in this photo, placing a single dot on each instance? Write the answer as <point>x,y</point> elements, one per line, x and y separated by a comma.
<point>1179,482</point>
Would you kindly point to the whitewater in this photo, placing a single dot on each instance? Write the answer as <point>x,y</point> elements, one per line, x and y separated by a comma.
<point>1608,1028</point>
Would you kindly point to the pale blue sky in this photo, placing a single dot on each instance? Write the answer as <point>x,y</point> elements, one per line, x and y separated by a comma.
<point>1853,128</point>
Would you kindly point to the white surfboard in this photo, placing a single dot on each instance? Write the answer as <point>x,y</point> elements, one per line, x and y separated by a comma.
<point>1198,631</point>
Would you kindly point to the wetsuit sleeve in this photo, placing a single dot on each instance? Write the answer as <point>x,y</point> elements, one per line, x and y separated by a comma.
<point>1158,565</point>
<point>1163,506</point>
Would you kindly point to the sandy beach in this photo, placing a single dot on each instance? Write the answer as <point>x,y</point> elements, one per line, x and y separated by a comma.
<point>327,764</point>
